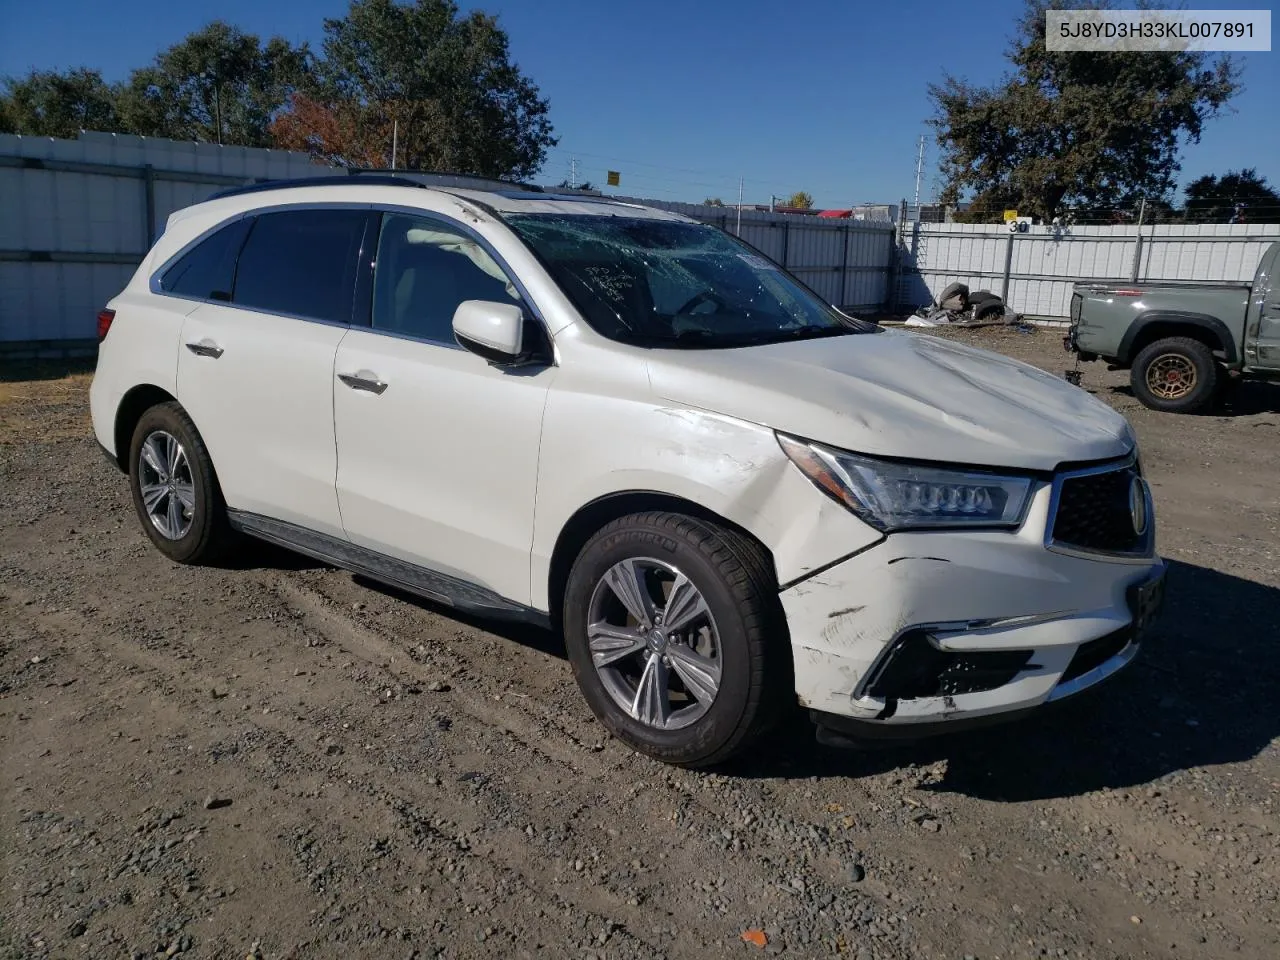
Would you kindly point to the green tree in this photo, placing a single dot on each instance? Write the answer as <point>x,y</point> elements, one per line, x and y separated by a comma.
<point>713,202</point>
<point>584,185</point>
<point>1079,129</point>
<point>219,85</point>
<point>800,200</point>
<point>53,104</point>
<point>446,80</point>
<point>1235,197</point>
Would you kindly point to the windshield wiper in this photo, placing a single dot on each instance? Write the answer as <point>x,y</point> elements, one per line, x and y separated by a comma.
<point>812,331</point>
<point>697,338</point>
<point>821,330</point>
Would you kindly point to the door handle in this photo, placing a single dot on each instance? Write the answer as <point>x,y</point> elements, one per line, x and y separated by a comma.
<point>202,349</point>
<point>368,384</point>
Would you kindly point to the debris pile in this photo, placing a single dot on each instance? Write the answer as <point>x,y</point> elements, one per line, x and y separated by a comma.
<point>957,305</point>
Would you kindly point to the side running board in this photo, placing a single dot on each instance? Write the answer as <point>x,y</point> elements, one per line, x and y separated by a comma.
<point>439,587</point>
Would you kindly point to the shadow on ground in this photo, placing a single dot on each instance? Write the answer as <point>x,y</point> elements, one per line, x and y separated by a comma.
<point>1241,399</point>
<point>526,634</point>
<point>15,371</point>
<point>1201,693</point>
<point>1253,396</point>
<point>254,554</point>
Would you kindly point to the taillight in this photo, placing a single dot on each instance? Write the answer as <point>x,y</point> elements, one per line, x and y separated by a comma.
<point>104,323</point>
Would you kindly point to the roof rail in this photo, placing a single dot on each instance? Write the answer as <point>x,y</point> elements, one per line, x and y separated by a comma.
<point>439,177</point>
<point>389,178</point>
<point>343,180</point>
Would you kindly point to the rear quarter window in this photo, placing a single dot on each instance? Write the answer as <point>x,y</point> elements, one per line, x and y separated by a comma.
<point>207,270</point>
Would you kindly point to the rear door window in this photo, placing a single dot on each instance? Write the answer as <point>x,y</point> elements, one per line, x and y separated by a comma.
<point>301,263</point>
<point>207,270</point>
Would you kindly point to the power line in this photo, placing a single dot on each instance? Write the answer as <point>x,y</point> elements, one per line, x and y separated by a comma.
<point>680,187</point>
<point>668,179</point>
<point>659,166</point>
<point>717,184</point>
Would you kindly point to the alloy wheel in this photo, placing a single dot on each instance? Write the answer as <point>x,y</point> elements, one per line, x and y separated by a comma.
<point>654,643</point>
<point>165,481</point>
<point>1171,376</point>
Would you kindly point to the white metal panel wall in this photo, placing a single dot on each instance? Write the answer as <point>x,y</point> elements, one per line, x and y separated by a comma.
<point>65,211</point>
<point>56,301</point>
<point>1044,263</point>
<point>70,239</point>
<point>1194,251</point>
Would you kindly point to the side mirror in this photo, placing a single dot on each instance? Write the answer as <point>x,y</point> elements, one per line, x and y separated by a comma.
<point>491,330</point>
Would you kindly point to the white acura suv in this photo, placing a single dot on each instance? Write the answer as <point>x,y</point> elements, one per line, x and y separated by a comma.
<point>634,428</point>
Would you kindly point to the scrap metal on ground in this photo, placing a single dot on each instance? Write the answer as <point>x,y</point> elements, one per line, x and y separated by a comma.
<point>957,306</point>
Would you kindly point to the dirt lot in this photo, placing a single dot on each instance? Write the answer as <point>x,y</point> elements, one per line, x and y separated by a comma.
<point>284,761</point>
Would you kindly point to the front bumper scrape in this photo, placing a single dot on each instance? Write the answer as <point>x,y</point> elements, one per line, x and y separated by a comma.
<point>937,627</point>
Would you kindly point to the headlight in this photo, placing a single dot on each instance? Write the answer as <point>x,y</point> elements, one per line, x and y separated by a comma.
<point>903,496</point>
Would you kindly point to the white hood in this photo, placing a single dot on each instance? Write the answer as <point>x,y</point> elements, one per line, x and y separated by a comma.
<point>903,395</point>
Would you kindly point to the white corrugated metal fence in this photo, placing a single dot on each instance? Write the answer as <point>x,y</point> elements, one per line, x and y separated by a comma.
<point>1042,264</point>
<point>76,217</point>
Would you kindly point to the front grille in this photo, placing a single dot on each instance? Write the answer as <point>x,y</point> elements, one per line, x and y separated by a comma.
<point>1094,512</point>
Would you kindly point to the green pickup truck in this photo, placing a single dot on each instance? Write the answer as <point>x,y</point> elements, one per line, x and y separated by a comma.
<point>1181,342</point>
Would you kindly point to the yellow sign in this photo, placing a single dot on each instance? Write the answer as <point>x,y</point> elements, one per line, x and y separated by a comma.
<point>1010,215</point>
<point>612,177</point>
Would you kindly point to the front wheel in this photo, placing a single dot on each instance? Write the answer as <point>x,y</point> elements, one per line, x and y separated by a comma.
<point>675,637</point>
<point>1175,375</point>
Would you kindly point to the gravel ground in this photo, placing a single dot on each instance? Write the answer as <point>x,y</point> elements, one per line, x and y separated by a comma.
<point>282,760</point>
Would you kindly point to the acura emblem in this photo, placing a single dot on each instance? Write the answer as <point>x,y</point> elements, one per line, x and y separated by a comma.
<point>1138,505</point>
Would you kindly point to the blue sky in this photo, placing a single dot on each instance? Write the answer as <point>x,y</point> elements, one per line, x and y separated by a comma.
<point>683,98</point>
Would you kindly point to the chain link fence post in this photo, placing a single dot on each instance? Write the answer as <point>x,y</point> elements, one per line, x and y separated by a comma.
<point>898,255</point>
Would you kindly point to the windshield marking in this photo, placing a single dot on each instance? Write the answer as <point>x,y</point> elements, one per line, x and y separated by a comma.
<point>674,283</point>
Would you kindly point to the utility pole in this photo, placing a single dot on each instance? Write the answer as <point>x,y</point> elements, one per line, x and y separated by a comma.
<point>217,106</point>
<point>739,206</point>
<point>573,173</point>
<point>919,171</point>
<point>395,141</point>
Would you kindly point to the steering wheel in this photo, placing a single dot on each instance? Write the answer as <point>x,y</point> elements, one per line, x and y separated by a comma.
<point>704,296</point>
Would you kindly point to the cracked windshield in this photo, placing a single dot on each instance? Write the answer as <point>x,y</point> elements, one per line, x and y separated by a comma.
<point>675,284</point>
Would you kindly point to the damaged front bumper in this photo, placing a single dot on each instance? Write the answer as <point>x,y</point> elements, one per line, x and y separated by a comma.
<point>932,632</point>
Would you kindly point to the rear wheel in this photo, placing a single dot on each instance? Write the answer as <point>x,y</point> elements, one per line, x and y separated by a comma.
<point>1175,375</point>
<point>674,635</point>
<point>175,490</point>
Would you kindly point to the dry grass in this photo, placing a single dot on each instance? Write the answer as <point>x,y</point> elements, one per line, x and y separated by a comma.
<point>42,402</point>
